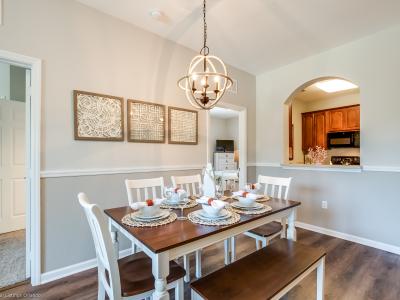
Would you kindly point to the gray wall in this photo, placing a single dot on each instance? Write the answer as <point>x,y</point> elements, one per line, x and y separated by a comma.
<point>364,204</point>
<point>66,238</point>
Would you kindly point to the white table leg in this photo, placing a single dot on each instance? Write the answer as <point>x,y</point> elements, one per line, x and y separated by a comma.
<point>233,249</point>
<point>160,268</point>
<point>227,251</point>
<point>291,231</point>
<point>114,238</point>
<point>186,266</point>
<point>320,279</point>
<point>198,263</point>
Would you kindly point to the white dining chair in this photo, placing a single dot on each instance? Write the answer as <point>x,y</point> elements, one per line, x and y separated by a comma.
<point>192,185</point>
<point>276,187</point>
<point>131,277</point>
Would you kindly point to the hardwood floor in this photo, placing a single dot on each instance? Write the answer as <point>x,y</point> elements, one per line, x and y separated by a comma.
<point>353,272</point>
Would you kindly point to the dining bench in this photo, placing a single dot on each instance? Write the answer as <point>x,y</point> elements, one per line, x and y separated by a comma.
<point>268,273</point>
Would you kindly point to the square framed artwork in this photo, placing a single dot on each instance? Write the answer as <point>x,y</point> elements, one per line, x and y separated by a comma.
<point>182,126</point>
<point>98,117</point>
<point>146,122</point>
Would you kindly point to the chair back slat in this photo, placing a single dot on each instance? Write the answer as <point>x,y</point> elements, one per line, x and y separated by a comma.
<point>106,258</point>
<point>153,184</point>
<point>282,185</point>
<point>187,181</point>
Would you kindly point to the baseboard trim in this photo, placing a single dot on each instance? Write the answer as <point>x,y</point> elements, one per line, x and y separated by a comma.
<point>111,171</point>
<point>350,237</point>
<point>75,268</point>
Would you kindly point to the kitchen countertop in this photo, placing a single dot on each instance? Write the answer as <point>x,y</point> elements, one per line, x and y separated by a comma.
<point>338,168</point>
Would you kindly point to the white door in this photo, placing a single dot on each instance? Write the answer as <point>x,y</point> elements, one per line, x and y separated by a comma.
<point>12,166</point>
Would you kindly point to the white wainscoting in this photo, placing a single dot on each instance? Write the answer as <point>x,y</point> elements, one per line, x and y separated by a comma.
<point>76,268</point>
<point>350,237</point>
<point>110,171</point>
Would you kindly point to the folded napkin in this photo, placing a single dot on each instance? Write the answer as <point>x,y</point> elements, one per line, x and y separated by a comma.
<point>247,195</point>
<point>252,186</point>
<point>211,201</point>
<point>149,202</point>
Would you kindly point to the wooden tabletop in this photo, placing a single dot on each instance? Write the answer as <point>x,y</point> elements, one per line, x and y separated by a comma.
<point>177,233</point>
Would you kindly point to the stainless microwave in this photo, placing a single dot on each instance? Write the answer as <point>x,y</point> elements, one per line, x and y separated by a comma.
<point>347,139</point>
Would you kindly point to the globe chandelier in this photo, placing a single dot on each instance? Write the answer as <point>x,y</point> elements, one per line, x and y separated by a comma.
<point>207,79</point>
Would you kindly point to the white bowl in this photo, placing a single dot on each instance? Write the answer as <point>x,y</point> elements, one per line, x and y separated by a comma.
<point>246,201</point>
<point>149,211</point>
<point>212,211</point>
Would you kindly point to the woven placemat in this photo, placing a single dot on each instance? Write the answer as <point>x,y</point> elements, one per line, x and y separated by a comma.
<point>265,209</point>
<point>127,220</point>
<point>191,203</point>
<point>232,220</point>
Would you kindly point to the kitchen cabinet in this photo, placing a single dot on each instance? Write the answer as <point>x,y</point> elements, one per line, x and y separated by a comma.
<point>344,119</point>
<point>308,131</point>
<point>316,124</point>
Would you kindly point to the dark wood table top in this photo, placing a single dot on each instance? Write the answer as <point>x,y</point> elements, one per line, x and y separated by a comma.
<point>177,233</point>
<point>261,274</point>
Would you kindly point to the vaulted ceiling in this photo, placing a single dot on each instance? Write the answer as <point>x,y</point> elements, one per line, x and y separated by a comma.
<point>258,35</point>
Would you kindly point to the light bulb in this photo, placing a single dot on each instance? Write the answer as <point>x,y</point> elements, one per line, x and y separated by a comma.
<point>203,81</point>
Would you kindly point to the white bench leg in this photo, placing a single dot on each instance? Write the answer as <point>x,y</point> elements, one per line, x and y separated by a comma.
<point>320,279</point>
<point>134,248</point>
<point>179,292</point>
<point>186,266</point>
<point>198,263</point>
<point>283,232</point>
<point>258,246</point>
<point>195,296</point>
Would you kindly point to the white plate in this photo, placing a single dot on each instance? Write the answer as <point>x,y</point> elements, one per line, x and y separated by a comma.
<point>184,201</point>
<point>203,216</point>
<point>138,216</point>
<point>259,197</point>
<point>239,205</point>
<point>224,214</point>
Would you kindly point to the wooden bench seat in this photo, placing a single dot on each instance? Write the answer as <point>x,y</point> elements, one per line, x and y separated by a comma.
<point>268,273</point>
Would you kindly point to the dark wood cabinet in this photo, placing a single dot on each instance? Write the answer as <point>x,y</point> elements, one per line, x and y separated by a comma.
<point>344,119</point>
<point>316,124</point>
<point>320,129</point>
<point>308,131</point>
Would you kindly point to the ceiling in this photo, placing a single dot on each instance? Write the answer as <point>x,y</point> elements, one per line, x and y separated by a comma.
<point>313,93</point>
<point>223,113</point>
<point>258,35</point>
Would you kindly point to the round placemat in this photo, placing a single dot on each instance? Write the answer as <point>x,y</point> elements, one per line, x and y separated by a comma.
<point>127,220</point>
<point>191,203</point>
<point>232,220</point>
<point>250,212</point>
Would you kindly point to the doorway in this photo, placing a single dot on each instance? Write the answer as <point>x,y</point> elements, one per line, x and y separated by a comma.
<point>14,96</point>
<point>227,144</point>
<point>20,98</point>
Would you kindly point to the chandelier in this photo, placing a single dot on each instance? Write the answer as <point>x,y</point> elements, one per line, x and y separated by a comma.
<point>207,78</point>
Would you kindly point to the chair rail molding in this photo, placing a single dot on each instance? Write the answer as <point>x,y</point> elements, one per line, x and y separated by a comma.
<point>111,171</point>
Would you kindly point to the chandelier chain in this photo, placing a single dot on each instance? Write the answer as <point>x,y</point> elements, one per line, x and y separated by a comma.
<point>205,50</point>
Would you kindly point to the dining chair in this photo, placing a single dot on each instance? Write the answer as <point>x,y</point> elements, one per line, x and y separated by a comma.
<point>128,278</point>
<point>192,185</point>
<point>277,187</point>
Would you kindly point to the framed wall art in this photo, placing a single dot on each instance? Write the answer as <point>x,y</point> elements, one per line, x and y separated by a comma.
<point>98,117</point>
<point>146,122</point>
<point>182,126</point>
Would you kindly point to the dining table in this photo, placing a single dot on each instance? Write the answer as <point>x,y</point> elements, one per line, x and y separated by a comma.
<point>171,241</point>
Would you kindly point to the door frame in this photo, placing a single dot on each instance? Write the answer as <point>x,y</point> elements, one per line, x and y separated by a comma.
<point>33,128</point>
<point>242,138</point>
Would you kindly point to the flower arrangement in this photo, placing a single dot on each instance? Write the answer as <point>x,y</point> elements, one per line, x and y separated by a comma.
<point>317,155</point>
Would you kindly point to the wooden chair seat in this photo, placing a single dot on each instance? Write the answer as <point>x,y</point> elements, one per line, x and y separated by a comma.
<point>268,229</point>
<point>136,275</point>
<point>264,274</point>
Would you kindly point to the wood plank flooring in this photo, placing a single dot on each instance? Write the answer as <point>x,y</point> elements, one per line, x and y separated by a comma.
<point>353,272</point>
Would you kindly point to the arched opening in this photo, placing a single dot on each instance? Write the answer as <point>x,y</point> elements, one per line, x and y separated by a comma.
<point>324,123</point>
